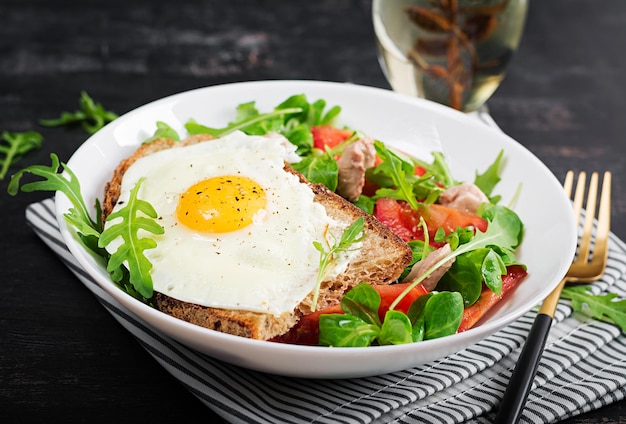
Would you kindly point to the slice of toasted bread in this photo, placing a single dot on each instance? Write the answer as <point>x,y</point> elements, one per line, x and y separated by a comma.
<point>380,260</point>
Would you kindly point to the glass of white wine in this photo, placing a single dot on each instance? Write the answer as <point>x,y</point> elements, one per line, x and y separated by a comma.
<point>453,52</point>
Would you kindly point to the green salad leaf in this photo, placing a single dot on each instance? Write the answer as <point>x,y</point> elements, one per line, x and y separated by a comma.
<point>164,130</point>
<point>353,234</point>
<point>65,182</point>
<point>605,307</point>
<point>78,216</point>
<point>91,116</point>
<point>400,172</point>
<point>397,178</point>
<point>245,125</point>
<point>292,118</point>
<point>14,145</point>
<point>135,280</point>
<point>362,302</point>
<point>346,331</point>
<point>490,178</point>
<point>136,215</point>
<point>320,168</point>
<point>396,329</point>
<point>436,314</point>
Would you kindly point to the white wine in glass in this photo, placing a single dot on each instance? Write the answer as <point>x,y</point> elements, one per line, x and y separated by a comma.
<point>453,52</point>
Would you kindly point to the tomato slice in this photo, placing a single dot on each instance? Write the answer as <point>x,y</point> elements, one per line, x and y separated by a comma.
<point>404,221</point>
<point>392,214</point>
<point>328,136</point>
<point>472,314</point>
<point>389,293</point>
<point>439,216</point>
<point>306,331</point>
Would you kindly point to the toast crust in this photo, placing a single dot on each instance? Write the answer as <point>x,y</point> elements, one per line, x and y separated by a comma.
<point>381,259</point>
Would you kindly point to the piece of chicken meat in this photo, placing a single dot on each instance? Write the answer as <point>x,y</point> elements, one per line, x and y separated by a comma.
<point>465,196</point>
<point>355,160</point>
<point>426,263</point>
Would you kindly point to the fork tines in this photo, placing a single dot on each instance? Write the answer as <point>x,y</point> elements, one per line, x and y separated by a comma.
<point>592,258</point>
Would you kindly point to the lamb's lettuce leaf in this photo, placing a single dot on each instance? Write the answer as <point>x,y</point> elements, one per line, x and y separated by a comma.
<point>433,315</point>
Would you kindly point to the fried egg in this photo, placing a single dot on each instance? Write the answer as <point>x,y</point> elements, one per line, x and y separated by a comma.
<point>238,228</point>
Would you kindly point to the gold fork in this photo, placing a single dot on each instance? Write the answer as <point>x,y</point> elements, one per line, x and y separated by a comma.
<point>588,265</point>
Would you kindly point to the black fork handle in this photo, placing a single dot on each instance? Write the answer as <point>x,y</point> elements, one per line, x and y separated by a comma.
<point>521,381</point>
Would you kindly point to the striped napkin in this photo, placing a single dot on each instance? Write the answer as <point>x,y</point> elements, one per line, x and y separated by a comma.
<point>583,367</point>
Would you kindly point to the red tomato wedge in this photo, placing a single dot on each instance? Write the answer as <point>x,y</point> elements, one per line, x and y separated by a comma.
<point>404,221</point>
<point>390,292</point>
<point>328,136</point>
<point>393,215</point>
<point>306,331</point>
<point>488,298</point>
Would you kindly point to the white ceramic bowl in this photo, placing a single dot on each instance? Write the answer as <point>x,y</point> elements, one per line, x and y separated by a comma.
<point>413,125</point>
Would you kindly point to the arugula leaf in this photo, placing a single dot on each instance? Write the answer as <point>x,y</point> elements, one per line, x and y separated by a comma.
<point>130,252</point>
<point>299,134</point>
<point>365,203</point>
<point>441,169</point>
<point>319,168</point>
<point>312,113</point>
<point>490,178</point>
<point>293,118</point>
<point>456,237</point>
<point>509,218</point>
<point>438,170</point>
<point>351,235</point>
<point>605,307</point>
<point>87,234</point>
<point>401,172</point>
<point>65,182</point>
<point>17,145</point>
<point>91,116</point>
<point>164,131</point>
<point>195,128</point>
<point>397,179</point>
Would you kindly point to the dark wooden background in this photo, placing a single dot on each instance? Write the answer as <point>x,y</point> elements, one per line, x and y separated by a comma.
<point>62,357</point>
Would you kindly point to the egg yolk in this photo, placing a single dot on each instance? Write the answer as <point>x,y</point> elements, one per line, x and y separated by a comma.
<point>220,204</point>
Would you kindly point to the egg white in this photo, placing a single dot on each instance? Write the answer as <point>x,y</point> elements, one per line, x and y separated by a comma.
<point>269,266</point>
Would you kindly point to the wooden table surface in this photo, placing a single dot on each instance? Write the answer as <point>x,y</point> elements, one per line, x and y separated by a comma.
<point>62,356</point>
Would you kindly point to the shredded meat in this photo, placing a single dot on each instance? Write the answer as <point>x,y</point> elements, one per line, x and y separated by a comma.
<point>465,196</point>
<point>431,259</point>
<point>355,160</point>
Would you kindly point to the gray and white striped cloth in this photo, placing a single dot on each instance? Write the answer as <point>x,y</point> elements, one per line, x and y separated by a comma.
<point>583,367</point>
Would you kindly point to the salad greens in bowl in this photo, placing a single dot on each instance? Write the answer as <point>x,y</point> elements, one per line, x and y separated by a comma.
<point>504,268</point>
